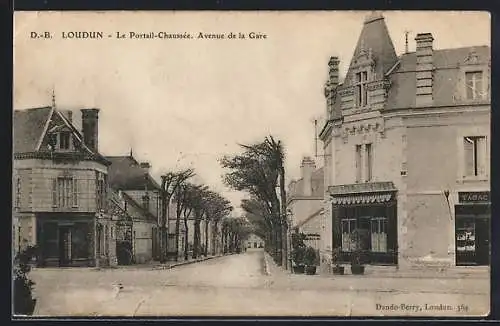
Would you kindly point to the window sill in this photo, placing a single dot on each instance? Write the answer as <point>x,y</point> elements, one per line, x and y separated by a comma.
<point>473,179</point>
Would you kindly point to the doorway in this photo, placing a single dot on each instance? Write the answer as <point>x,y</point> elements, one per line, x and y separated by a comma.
<point>64,246</point>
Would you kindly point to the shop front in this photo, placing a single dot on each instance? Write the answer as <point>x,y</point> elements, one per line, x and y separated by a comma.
<point>472,229</point>
<point>364,219</point>
<point>65,239</point>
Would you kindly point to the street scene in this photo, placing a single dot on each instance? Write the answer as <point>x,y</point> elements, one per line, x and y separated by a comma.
<point>209,170</point>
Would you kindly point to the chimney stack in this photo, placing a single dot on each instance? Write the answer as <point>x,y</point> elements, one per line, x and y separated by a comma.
<point>334,71</point>
<point>306,170</point>
<point>69,115</point>
<point>90,128</point>
<point>424,69</point>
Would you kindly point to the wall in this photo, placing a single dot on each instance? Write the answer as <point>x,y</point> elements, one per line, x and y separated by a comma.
<point>302,208</point>
<point>153,200</point>
<point>143,241</point>
<point>36,184</point>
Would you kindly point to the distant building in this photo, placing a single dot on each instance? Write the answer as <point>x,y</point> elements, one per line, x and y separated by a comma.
<point>60,188</point>
<point>407,162</point>
<point>254,241</point>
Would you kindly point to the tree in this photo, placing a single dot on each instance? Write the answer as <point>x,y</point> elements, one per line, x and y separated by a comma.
<point>169,184</point>
<point>259,170</point>
<point>216,208</point>
<point>185,199</point>
<point>235,230</point>
<point>24,303</point>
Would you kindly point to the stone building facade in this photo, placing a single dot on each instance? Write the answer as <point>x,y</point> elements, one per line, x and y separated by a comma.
<point>406,144</point>
<point>59,188</point>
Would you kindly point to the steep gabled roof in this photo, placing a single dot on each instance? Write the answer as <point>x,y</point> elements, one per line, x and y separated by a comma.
<point>374,39</point>
<point>125,173</point>
<point>29,127</point>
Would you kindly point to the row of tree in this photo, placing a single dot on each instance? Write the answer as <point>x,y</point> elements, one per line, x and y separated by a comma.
<point>198,203</point>
<point>259,170</point>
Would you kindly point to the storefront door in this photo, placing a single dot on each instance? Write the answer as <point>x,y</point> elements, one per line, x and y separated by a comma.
<point>483,241</point>
<point>64,246</point>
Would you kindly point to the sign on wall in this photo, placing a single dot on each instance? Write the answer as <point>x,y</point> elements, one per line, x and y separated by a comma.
<point>474,197</point>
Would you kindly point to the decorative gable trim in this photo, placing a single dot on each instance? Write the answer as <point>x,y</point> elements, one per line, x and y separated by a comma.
<point>45,128</point>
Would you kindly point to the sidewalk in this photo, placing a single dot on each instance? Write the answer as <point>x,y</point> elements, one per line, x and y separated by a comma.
<point>411,282</point>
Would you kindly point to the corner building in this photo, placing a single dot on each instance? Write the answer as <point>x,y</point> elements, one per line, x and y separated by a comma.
<point>407,159</point>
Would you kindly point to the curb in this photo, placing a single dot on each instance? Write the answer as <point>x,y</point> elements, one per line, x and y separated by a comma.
<point>163,267</point>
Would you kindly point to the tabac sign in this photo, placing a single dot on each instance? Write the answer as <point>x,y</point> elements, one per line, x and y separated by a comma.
<point>474,197</point>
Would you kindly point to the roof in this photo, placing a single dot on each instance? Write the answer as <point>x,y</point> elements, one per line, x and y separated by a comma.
<point>125,173</point>
<point>374,39</point>
<point>28,128</point>
<point>139,207</point>
<point>402,93</point>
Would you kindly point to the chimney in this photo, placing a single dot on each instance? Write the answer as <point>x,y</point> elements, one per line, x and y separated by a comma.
<point>68,114</point>
<point>90,128</point>
<point>424,69</point>
<point>306,170</point>
<point>334,71</point>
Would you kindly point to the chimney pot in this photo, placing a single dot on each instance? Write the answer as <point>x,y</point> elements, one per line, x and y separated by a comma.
<point>306,169</point>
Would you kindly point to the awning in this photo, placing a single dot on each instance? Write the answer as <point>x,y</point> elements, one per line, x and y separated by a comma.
<point>362,199</point>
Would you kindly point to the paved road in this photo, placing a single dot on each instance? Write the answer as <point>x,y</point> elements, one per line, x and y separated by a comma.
<point>236,285</point>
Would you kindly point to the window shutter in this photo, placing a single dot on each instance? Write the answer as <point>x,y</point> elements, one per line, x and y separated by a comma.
<point>481,156</point>
<point>468,156</point>
<point>54,192</point>
<point>75,192</point>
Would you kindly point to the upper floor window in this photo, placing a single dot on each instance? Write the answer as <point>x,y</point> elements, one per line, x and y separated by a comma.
<point>361,89</point>
<point>101,190</point>
<point>474,85</point>
<point>64,192</point>
<point>64,140</point>
<point>475,155</point>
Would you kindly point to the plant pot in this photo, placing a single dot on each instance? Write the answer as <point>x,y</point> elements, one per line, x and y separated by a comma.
<point>310,270</point>
<point>357,269</point>
<point>298,269</point>
<point>339,270</point>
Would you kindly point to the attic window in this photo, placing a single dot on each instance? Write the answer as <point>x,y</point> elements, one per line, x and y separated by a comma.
<point>361,89</point>
<point>474,85</point>
<point>64,140</point>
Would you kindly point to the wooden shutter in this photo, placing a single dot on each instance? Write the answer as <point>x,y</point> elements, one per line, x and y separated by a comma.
<point>75,192</point>
<point>468,156</point>
<point>54,192</point>
<point>481,158</point>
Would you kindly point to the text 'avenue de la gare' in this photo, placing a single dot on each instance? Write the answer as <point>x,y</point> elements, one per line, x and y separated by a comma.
<point>84,35</point>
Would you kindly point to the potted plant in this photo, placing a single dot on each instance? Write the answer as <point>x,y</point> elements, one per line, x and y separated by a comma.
<point>298,260</point>
<point>336,268</point>
<point>310,260</point>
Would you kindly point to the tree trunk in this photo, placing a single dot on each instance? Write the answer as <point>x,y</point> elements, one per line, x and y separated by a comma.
<point>177,234</point>
<point>196,244</point>
<point>214,238</point>
<point>207,224</point>
<point>284,216</point>
<point>186,241</point>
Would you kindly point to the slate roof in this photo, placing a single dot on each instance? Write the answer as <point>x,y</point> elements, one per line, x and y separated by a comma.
<point>137,206</point>
<point>125,173</point>
<point>28,127</point>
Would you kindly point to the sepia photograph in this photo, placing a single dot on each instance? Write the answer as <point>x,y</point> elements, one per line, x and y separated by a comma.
<point>251,163</point>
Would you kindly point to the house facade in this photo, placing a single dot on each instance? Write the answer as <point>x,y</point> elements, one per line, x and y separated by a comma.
<point>139,197</point>
<point>59,187</point>
<point>254,241</point>
<point>406,153</point>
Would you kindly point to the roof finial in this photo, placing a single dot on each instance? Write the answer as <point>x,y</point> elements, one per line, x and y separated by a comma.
<point>131,154</point>
<point>53,98</point>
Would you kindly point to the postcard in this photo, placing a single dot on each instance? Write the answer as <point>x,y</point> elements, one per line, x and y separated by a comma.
<point>251,163</point>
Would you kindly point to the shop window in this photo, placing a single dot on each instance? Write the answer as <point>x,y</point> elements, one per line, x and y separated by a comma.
<point>348,237</point>
<point>361,88</point>
<point>379,234</point>
<point>50,240</point>
<point>466,236</point>
<point>474,85</point>
<point>475,156</point>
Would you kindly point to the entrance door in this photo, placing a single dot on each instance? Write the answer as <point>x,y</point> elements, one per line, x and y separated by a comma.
<point>64,246</point>
<point>483,241</point>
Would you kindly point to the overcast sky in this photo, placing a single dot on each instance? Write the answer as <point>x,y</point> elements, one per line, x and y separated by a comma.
<point>181,103</point>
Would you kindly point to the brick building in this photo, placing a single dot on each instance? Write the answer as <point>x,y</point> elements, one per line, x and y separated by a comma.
<point>59,187</point>
<point>406,144</point>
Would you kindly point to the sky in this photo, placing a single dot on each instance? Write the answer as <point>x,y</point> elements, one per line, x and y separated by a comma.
<point>185,103</point>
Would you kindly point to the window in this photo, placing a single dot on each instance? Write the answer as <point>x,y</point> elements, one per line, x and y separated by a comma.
<point>64,192</point>
<point>474,85</point>
<point>18,192</point>
<point>379,234</point>
<point>475,155</point>
<point>368,166</point>
<point>466,235</point>
<point>81,240</point>
<point>145,202</point>
<point>361,89</point>
<point>49,236</point>
<point>64,140</point>
<point>100,190</point>
<point>358,163</point>
<point>348,239</point>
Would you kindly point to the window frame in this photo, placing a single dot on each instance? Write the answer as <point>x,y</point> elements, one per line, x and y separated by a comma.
<point>361,86</point>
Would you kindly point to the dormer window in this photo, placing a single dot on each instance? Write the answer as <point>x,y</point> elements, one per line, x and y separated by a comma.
<point>361,89</point>
<point>474,85</point>
<point>64,140</point>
